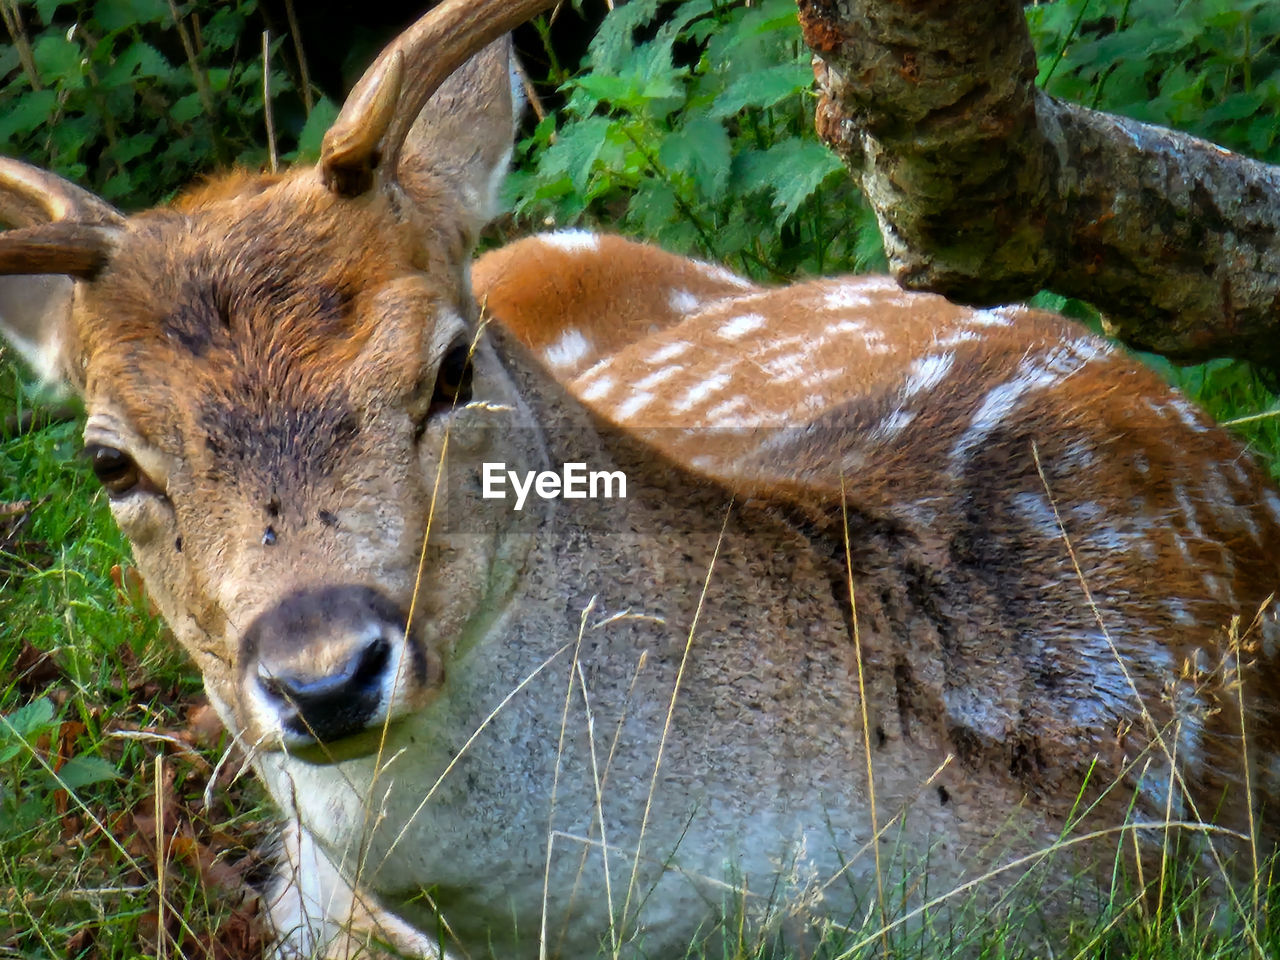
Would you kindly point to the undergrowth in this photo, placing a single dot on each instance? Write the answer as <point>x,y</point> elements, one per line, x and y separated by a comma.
<point>689,124</point>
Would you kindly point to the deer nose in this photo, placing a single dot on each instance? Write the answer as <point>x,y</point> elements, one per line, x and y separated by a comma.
<point>327,663</point>
<point>335,705</point>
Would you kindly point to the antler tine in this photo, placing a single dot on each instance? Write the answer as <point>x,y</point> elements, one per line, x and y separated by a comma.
<point>374,121</point>
<point>62,229</point>
<point>31,196</point>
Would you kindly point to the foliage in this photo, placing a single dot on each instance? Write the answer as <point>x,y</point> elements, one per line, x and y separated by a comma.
<point>119,97</point>
<point>693,127</point>
<point>1210,67</point>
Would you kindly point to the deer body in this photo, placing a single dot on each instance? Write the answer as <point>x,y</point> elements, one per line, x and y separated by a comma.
<point>606,723</point>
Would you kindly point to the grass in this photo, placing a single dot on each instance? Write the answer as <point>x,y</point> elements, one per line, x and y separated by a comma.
<point>106,846</point>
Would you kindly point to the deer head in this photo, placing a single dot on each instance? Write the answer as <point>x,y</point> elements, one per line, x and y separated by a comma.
<point>269,367</point>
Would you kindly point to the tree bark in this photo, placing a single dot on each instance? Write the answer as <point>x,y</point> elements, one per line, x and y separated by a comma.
<point>988,189</point>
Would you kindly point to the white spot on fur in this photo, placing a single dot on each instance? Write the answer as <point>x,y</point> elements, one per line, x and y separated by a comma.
<point>682,301</point>
<point>572,241</point>
<point>1240,473</point>
<point>998,404</point>
<point>739,327</point>
<point>568,350</point>
<point>847,326</point>
<point>926,374</point>
<point>633,404</point>
<point>785,368</point>
<point>724,276</point>
<point>1187,414</point>
<point>847,296</point>
<point>670,351</point>
<point>1273,504</point>
<point>957,337</point>
<point>824,376</point>
<point>658,376</point>
<point>598,390</point>
<point>988,318</point>
<point>700,392</point>
<point>892,425</point>
<point>1038,514</point>
<point>727,407</point>
<point>1189,514</point>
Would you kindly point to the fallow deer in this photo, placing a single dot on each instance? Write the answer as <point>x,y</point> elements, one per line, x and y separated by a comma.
<point>902,594</point>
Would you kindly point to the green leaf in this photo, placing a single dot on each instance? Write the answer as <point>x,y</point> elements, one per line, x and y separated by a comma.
<point>763,88</point>
<point>575,151</point>
<point>700,150</point>
<point>83,771</point>
<point>613,89</point>
<point>138,60</point>
<point>46,9</point>
<point>321,119</point>
<point>29,720</point>
<point>224,29</point>
<point>114,15</point>
<point>27,113</point>
<point>614,41</point>
<point>792,169</point>
<point>58,60</point>
<point>185,109</point>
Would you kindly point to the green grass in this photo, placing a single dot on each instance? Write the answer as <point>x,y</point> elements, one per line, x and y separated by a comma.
<point>95,704</point>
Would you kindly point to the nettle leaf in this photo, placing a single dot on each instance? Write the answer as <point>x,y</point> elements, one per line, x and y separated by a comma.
<point>118,186</point>
<point>622,91</point>
<point>654,206</point>
<point>28,721</point>
<point>58,60</point>
<point>321,119</point>
<point>575,150</point>
<point>84,771</point>
<point>185,109</point>
<point>113,15</point>
<point>613,43</point>
<point>26,113</point>
<point>763,88</point>
<point>133,147</point>
<point>1235,107</point>
<point>701,150</point>
<point>224,29</point>
<point>219,79</point>
<point>47,8</point>
<point>791,169</point>
<point>138,60</point>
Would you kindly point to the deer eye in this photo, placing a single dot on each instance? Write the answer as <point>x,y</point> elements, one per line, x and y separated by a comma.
<point>453,380</point>
<point>115,469</point>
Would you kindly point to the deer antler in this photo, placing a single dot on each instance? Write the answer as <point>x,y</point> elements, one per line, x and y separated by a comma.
<point>381,108</point>
<point>64,228</point>
<point>31,196</point>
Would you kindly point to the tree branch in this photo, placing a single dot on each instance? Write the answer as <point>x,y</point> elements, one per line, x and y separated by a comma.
<point>987,189</point>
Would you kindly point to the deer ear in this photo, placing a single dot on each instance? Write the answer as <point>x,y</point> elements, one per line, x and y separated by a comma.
<point>461,141</point>
<point>35,319</point>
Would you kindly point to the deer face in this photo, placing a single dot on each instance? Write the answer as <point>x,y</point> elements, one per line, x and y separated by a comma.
<point>270,369</point>
<point>267,425</point>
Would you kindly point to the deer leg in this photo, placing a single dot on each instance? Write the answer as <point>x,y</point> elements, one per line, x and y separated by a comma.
<point>315,914</point>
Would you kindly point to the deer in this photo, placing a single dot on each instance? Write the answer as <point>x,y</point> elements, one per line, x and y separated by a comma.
<point>908,606</point>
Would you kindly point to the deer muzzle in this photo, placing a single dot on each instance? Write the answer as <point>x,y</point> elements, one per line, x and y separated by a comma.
<point>326,664</point>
